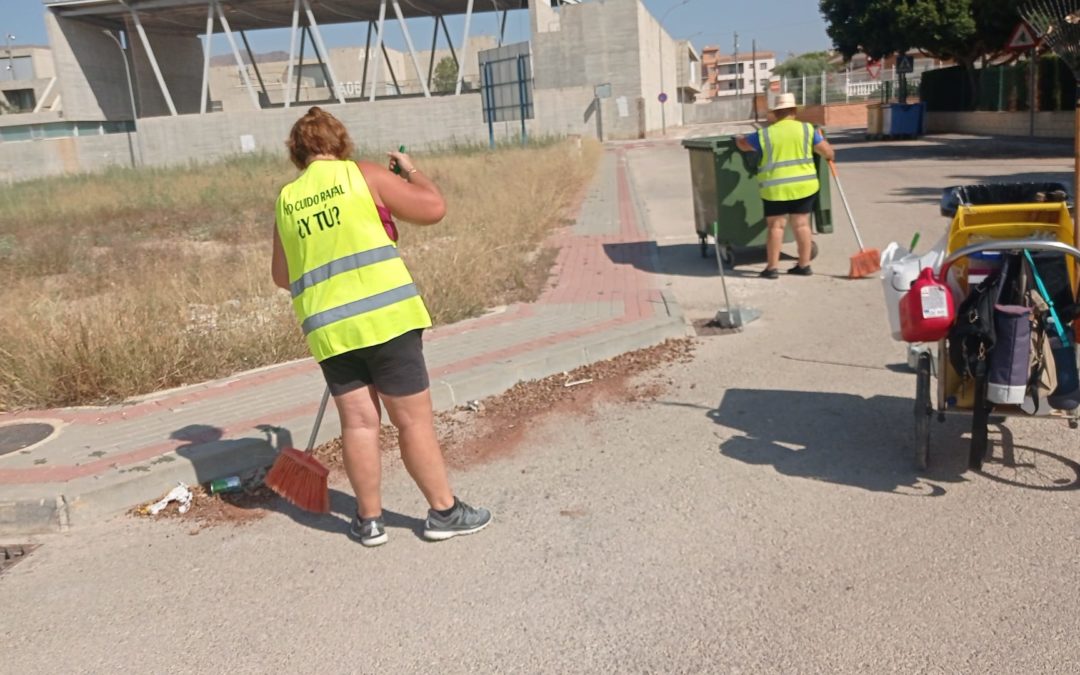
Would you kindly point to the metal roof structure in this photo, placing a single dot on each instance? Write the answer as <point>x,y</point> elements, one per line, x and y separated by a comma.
<point>302,17</point>
<point>189,16</point>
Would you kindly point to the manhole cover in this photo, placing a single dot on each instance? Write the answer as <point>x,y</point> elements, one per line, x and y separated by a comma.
<point>18,436</point>
<point>9,555</point>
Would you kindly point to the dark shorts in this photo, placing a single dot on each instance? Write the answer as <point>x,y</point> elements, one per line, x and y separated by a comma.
<point>804,205</point>
<point>396,368</point>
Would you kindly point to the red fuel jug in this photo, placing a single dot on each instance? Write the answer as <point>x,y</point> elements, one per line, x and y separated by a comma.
<point>926,311</point>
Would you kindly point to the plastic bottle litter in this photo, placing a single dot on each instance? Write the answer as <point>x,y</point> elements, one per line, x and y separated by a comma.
<point>181,493</point>
<point>230,484</point>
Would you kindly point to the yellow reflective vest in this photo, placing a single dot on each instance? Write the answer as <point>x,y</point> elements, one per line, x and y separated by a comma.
<point>787,171</point>
<point>350,288</point>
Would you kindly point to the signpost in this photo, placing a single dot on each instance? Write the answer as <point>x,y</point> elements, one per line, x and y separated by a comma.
<point>905,64</point>
<point>600,91</point>
<point>1024,39</point>
<point>506,85</point>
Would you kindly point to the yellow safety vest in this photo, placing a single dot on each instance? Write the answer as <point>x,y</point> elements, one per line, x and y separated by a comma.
<point>350,288</point>
<point>787,169</point>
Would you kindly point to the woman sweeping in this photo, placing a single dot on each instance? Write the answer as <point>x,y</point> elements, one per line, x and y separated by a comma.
<point>335,251</point>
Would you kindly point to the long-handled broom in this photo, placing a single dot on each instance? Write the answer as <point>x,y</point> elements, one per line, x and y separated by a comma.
<point>300,478</point>
<point>867,260</point>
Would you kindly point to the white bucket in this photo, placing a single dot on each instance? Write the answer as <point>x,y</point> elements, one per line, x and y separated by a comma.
<point>899,269</point>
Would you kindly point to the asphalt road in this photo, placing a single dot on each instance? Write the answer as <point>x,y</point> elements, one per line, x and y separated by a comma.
<point>763,515</point>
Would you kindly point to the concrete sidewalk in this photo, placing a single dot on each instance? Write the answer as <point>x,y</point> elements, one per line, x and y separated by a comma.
<point>100,461</point>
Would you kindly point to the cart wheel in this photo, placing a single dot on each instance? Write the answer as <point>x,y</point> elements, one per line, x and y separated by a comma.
<point>923,411</point>
<point>813,250</point>
<point>704,241</point>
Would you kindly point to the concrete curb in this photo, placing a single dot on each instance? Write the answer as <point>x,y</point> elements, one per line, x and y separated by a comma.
<point>82,502</point>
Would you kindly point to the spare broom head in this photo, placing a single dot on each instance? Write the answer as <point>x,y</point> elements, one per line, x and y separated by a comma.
<point>301,480</point>
<point>864,263</point>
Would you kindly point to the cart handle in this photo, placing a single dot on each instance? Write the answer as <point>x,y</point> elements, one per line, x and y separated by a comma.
<point>1006,245</point>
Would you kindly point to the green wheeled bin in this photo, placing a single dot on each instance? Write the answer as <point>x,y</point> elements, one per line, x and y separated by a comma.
<point>727,203</point>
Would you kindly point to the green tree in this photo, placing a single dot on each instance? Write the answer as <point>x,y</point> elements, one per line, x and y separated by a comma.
<point>809,64</point>
<point>965,31</point>
<point>446,74</point>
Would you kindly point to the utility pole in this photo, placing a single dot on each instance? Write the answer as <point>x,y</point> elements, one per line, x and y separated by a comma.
<point>753,87</point>
<point>735,65</point>
<point>660,48</point>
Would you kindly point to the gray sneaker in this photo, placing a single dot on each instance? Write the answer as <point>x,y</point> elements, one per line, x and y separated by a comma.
<point>464,519</point>
<point>369,531</point>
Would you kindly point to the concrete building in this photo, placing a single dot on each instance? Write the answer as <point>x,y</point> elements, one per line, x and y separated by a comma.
<point>144,65</point>
<point>731,75</point>
<point>27,79</point>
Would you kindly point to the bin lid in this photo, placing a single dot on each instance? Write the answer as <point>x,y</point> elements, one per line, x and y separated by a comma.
<point>1000,193</point>
<point>708,142</point>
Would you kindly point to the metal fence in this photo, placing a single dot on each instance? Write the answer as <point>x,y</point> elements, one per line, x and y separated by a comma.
<point>1004,88</point>
<point>848,87</point>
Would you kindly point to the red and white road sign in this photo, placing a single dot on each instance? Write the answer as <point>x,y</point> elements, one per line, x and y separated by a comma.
<point>1023,38</point>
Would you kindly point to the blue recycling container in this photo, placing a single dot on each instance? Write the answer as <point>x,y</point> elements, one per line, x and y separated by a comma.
<point>906,119</point>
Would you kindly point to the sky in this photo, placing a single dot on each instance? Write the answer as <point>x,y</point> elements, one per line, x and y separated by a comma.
<point>704,22</point>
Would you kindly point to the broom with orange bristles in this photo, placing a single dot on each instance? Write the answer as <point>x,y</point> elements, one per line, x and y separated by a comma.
<point>867,260</point>
<point>298,477</point>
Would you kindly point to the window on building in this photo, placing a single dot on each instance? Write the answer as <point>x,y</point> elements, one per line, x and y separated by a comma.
<point>21,100</point>
<point>764,83</point>
<point>315,73</point>
<point>763,65</point>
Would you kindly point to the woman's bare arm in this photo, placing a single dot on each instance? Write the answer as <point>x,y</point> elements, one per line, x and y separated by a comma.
<point>412,196</point>
<point>279,266</point>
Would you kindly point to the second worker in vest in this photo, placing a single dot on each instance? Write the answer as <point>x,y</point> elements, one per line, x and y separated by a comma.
<point>788,180</point>
<point>335,251</point>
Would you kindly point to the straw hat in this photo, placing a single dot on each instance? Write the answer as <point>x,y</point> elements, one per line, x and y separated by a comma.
<point>783,102</point>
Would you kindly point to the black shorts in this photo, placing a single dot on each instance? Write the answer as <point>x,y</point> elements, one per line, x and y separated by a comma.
<point>396,368</point>
<point>804,205</point>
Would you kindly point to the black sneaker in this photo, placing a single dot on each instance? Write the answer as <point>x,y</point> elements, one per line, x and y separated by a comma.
<point>369,531</point>
<point>464,519</point>
<point>770,273</point>
<point>801,271</point>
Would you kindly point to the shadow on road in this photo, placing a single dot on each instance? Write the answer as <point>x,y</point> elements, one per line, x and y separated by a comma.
<point>836,438</point>
<point>868,443</point>
<point>851,148</point>
<point>342,508</point>
<point>203,439</point>
<point>686,260</point>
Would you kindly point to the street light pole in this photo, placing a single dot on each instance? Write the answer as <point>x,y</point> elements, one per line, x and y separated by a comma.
<point>9,40</point>
<point>131,98</point>
<point>660,45</point>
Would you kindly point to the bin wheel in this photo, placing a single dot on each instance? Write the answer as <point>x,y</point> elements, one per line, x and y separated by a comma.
<point>923,411</point>
<point>704,241</point>
<point>813,250</point>
<point>727,255</point>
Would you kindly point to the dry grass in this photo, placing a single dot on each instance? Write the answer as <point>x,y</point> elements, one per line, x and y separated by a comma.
<point>127,282</point>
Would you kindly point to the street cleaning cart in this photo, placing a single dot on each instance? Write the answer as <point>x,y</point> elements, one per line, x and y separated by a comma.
<point>727,202</point>
<point>1012,266</point>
